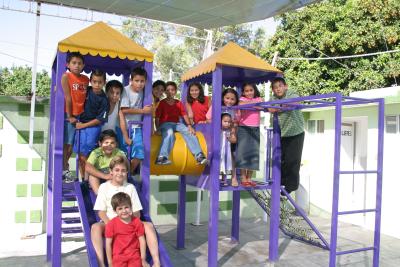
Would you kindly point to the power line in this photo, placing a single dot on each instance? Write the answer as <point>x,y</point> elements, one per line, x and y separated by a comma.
<point>22,59</point>
<point>341,57</point>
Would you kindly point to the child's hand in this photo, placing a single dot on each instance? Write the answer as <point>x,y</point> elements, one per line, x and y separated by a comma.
<point>192,131</point>
<point>148,109</point>
<point>273,110</point>
<point>158,132</point>
<point>79,125</point>
<point>202,122</point>
<point>128,141</point>
<point>145,264</point>
<point>72,120</point>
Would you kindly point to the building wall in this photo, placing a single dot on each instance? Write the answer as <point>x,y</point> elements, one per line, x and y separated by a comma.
<point>356,192</point>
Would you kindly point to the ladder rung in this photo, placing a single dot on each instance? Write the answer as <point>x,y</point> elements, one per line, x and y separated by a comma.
<point>69,209</point>
<point>71,220</point>
<point>354,250</point>
<point>357,172</point>
<point>356,211</point>
<point>72,230</point>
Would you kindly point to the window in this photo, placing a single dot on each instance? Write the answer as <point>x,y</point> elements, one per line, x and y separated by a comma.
<point>315,126</point>
<point>392,123</point>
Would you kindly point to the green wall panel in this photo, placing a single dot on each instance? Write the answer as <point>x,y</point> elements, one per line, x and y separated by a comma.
<point>225,205</point>
<point>36,164</point>
<point>36,190</point>
<point>20,216</point>
<point>168,186</point>
<point>22,190</point>
<point>25,110</point>
<point>21,164</point>
<point>35,216</point>
<point>165,209</point>
<point>23,137</point>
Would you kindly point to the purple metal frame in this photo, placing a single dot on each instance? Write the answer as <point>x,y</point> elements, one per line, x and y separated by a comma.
<point>210,180</point>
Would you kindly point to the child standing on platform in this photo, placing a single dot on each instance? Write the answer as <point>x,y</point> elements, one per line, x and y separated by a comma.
<point>90,121</point>
<point>118,183</point>
<point>228,137</point>
<point>248,149</point>
<point>132,110</point>
<point>125,242</point>
<point>292,136</point>
<point>229,98</point>
<point>98,164</point>
<point>197,104</point>
<point>113,91</point>
<point>168,113</point>
<point>74,85</point>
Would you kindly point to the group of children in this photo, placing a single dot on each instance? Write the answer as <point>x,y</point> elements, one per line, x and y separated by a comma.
<point>99,126</point>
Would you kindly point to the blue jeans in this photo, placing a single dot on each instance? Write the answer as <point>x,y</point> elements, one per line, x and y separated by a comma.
<point>168,138</point>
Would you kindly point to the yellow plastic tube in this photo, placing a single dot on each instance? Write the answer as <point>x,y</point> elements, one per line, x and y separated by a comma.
<point>183,162</point>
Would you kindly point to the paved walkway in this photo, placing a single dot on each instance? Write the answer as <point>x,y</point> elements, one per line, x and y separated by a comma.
<point>251,251</point>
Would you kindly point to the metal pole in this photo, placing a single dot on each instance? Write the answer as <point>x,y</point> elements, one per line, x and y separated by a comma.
<point>206,53</point>
<point>34,73</point>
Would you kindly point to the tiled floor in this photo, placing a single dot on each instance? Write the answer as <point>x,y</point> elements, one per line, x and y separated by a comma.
<point>252,249</point>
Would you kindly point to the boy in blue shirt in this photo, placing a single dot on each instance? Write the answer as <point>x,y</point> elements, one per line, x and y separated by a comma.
<point>93,116</point>
<point>132,110</point>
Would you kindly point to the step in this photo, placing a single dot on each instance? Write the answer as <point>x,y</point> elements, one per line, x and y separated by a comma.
<point>72,230</point>
<point>259,186</point>
<point>69,209</point>
<point>69,197</point>
<point>70,220</point>
<point>354,250</point>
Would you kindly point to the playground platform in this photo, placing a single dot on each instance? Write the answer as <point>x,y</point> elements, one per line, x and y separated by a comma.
<point>251,251</point>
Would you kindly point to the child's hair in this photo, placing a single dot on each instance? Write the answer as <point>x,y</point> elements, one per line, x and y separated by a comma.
<point>98,73</point>
<point>120,199</point>
<point>114,84</point>
<point>225,114</point>
<point>256,92</point>
<point>75,54</point>
<point>139,72</point>
<point>107,134</point>
<point>172,84</point>
<point>119,160</point>
<point>201,97</point>
<point>159,82</point>
<point>232,91</point>
<point>278,79</point>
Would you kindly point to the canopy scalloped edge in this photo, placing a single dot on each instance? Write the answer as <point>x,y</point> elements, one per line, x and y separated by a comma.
<point>85,51</point>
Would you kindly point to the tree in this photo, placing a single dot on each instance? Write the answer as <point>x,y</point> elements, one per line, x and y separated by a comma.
<point>337,28</point>
<point>17,81</point>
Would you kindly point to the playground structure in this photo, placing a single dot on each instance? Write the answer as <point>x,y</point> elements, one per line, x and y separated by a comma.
<point>230,66</point>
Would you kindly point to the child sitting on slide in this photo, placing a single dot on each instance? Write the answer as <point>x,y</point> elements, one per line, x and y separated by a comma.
<point>168,113</point>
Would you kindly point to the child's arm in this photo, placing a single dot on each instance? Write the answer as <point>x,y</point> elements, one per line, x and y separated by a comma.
<point>124,127</point>
<point>68,99</point>
<point>189,112</point>
<point>103,216</point>
<point>142,242</point>
<point>109,251</point>
<point>145,110</point>
<point>190,128</point>
<point>91,170</point>
<point>232,136</point>
<point>81,125</point>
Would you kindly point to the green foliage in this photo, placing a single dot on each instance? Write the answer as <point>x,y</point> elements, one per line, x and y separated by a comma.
<point>337,28</point>
<point>17,81</point>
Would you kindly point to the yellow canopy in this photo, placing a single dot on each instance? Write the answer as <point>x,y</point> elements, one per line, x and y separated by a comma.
<point>231,55</point>
<point>101,39</point>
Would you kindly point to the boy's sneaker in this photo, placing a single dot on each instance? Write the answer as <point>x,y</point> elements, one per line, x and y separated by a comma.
<point>201,159</point>
<point>163,161</point>
<point>68,177</point>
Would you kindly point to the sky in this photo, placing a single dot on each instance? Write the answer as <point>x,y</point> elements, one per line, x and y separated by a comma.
<point>17,34</point>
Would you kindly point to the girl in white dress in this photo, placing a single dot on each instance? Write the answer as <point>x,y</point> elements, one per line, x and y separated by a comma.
<point>228,137</point>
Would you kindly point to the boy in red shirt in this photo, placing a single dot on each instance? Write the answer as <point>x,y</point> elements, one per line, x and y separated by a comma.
<point>168,113</point>
<point>74,85</point>
<point>125,242</point>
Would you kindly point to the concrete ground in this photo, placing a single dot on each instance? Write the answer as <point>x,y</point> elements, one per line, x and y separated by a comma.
<point>251,251</point>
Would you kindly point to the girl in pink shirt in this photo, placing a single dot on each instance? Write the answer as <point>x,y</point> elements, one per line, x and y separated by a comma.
<point>248,135</point>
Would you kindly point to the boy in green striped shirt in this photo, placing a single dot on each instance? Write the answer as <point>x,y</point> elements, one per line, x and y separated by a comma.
<point>292,136</point>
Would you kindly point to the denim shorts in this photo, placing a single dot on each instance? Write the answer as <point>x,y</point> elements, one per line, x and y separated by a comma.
<point>137,148</point>
<point>69,131</point>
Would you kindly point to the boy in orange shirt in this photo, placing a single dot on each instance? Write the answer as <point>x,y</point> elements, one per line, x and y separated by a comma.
<point>74,85</point>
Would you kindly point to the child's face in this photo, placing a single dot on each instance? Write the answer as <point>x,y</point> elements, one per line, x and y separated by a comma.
<point>194,91</point>
<point>97,83</point>
<point>171,91</point>
<point>75,65</point>
<point>229,99</point>
<point>158,91</point>
<point>108,145</point>
<point>138,82</point>
<point>124,211</point>
<point>279,88</point>
<point>226,122</point>
<point>119,173</point>
<point>114,94</point>
<point>248,91</point>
